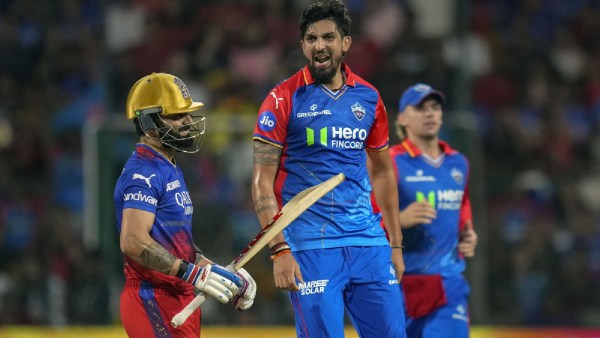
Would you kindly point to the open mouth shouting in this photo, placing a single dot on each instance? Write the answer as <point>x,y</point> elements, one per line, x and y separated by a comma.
<point>322,61</point>
<point>323,68</point>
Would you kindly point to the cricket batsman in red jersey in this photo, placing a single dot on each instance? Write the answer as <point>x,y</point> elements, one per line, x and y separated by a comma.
<point>163,267</point>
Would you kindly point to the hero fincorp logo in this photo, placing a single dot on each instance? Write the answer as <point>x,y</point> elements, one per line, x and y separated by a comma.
<point>139,197</point>
<point>266,121</point>
<point>448,199</point>
<point>341,137</point>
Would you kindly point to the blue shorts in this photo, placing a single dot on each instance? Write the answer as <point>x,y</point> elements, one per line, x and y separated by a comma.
<point>359,279</point>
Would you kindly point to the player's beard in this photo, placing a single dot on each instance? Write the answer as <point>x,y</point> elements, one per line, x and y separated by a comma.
<point>324,76</point>
<point>177,141</point>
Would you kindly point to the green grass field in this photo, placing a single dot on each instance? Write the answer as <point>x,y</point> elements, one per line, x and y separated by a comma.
<point>277,332</point>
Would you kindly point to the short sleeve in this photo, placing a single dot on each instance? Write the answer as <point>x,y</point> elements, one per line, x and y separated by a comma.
<point>379,136</point>
<point>142,188</point>
<point>273,116</point>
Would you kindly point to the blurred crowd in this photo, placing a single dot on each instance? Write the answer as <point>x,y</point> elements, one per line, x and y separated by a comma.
<point>525,75</point>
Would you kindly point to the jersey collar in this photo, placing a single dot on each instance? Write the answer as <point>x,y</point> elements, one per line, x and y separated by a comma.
<point>350,77</point>
<point>146,150</point>
<point>414,151</point>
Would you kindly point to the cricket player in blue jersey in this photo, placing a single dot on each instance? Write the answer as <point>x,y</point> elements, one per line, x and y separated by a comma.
<point>321,121</point>
<point>435,214</point>
<point>162,265</point>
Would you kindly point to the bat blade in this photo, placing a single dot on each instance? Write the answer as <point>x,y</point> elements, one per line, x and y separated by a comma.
<point>290,211</point>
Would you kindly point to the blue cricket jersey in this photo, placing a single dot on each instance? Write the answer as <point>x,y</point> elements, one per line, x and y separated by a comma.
<point>433,248</point>
<point>152,183</point>
<point>323,133</point>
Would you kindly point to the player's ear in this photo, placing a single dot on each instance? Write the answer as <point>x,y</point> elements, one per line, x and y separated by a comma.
<point>346,42</point>
<point>400,125</point>
<point>304,51</point>
<point>401,119</point>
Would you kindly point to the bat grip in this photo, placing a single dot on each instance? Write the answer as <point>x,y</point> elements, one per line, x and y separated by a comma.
<point>184,314</point>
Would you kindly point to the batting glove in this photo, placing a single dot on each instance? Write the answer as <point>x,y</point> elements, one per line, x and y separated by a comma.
<point>244,299</point>
<point>214,280</point>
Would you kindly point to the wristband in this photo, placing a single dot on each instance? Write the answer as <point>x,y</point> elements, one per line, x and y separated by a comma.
<point>281,248</point>
<point>275,248</point>
<point>398,247</point>
<point>280,253</point>
<point>182,269</point>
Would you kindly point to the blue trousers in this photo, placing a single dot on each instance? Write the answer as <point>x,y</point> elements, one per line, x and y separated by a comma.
<point>450,320</point>
<point>360,280</point>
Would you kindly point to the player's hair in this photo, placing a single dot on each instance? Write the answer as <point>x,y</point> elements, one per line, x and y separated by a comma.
<point>401,132</point>
<point>334,10</point>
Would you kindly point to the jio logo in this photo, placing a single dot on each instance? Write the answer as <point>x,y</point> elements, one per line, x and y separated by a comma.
<point>266,121</point>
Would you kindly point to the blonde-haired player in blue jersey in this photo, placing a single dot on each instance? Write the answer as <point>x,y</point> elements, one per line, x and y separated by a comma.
<point>435,213</point>
<point>321,121</point>
<point>162,265</point>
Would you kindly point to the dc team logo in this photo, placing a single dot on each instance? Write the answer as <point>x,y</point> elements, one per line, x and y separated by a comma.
<point>266,121</point>
<point>457,175</point>
<point>358,110</point>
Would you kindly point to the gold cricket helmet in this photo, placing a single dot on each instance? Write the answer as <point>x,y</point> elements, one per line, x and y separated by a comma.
<point>158,95</point>
<point>160,90</point>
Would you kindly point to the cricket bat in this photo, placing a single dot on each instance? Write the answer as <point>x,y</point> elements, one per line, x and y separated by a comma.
<point>290,211</point>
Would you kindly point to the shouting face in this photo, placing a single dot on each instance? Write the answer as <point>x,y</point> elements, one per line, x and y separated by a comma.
<point>323,46</point>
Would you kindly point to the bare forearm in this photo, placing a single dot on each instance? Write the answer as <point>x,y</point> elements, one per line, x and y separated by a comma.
<point>386,194</point>
<point>392,225</point>
<point>156,257</point>
<point>266,208</point>
<point>136,243</point>
<point>266,164</point>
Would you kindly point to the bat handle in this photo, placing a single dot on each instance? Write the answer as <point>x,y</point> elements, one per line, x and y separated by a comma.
<point>184,314</point>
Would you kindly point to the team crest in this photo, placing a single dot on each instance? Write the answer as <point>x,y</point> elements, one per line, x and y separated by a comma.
<point>184,89</point>
<point>358,110</point>
<point>457,175</point>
